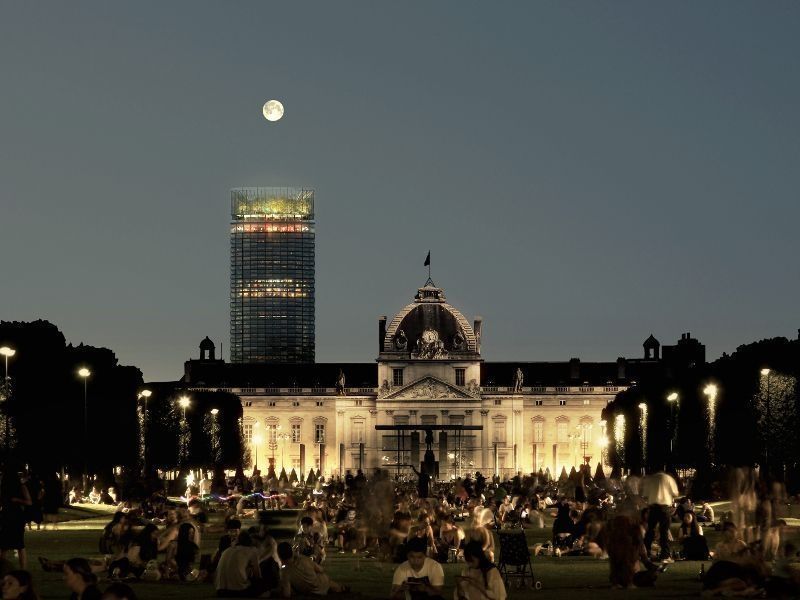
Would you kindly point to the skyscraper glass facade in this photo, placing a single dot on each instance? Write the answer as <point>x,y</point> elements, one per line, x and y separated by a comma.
<point>272,275</point>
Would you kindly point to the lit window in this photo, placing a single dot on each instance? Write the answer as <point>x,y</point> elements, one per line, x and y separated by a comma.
<point>319,433</point>
<point>562,429</point>
<point>499,431</point>
<point>248,432</point>
<point>272,433</point>
<point>357,432</point>
<point>538,431</point>
<point>296,432</point>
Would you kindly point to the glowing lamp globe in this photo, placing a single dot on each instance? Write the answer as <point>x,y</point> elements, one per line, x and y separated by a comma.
<point>272,110</point>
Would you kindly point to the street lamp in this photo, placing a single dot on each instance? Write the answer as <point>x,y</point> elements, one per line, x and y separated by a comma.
<point>214,432</point>
<point>7,353</point>
<point>144,395</point>
<point>586,428</point>
<point>643,429</point>
<point>768,424</point>
<point>283,437</point>
<point>85,373</point>
<point>711,392</point>
<point>184,402</point>
<point>674,407</point>
<point>256,442</point>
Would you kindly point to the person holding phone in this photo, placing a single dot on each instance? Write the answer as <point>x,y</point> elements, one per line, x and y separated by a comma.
<point>420,577</point>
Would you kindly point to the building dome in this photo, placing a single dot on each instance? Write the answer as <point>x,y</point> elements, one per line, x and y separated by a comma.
<point>206,344</point>
<point>430,328</point>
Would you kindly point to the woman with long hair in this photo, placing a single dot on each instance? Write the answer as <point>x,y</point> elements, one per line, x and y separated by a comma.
<point>18,585</point>
<point>480,578</point>
<point>185,551</point>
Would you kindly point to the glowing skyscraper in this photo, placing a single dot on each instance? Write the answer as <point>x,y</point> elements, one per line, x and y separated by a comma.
<point>272,275</point>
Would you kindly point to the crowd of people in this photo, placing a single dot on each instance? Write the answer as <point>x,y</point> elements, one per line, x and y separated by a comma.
<point>640,525</point>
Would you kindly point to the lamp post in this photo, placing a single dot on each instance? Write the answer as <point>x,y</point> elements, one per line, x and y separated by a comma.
<point>144,395</point>
<point>585,429</point>
<point>184,402</point>
<point>214,436</point>
<point>711,392</point>
<point>768,424</point>
<point>273,441</point>
<point>643,430</point>
<point>283,436</point>
<point>7,353</point>
<point>674,406</point>
<point>256,443</point>
<point>85,373</point>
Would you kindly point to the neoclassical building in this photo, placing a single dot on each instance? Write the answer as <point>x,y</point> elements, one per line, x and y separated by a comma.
<point>429,388</point>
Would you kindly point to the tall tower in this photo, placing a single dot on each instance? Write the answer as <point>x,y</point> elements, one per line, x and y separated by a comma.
<point>272,275</point>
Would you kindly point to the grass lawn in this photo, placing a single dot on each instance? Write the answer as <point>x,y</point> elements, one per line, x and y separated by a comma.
<point>561,578</point>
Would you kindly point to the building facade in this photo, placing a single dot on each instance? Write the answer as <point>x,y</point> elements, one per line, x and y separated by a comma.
<point>493,417</point>
<point>272,275</point>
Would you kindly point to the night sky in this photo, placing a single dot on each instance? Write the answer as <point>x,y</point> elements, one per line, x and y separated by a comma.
<point>584,174</point>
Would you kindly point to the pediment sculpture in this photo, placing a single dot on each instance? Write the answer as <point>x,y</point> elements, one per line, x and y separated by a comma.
<point>430,388</point>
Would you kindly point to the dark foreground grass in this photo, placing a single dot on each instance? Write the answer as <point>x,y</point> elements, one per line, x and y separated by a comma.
<point>563,578</point>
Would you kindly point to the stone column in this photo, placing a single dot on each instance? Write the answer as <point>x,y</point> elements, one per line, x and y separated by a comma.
<point>518,437</point>
<point>484,440</point>
<point>373,450</point>
<point>341,441</point>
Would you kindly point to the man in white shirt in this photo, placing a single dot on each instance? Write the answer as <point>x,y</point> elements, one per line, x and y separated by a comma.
<point>420,577</point>
<point>660,490</point>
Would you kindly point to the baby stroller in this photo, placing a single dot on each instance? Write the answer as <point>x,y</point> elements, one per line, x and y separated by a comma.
<point>514,553</point>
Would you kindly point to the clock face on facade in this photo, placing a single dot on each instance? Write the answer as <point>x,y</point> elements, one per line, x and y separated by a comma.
<point>429,336</point>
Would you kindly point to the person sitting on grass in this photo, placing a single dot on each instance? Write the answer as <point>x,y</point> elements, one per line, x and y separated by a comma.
<point>420,576</point>
<point>182,553</point>
<point>94,495</point>
<point>691,536</point>
<point>80,580</point>
<point>480,578</point>
<point>238,573</point>
<point>119,591</point>
<point>451,537</point>
<point>706,513</point>
<point>18,585</point>
<point>309,542</point>
<point>423,529</point>
<point>141,550</point>
<point>301,575</point>
<point>483,522</point>
<point>233,528</point>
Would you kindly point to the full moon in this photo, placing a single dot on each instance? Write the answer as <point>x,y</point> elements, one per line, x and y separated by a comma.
<point>273,110</point>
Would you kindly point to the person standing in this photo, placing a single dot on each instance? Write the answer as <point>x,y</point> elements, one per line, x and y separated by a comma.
<point>258,489</point>
<point>660,490</point>
<point>14,498</point>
